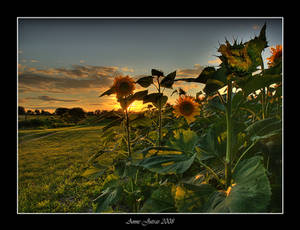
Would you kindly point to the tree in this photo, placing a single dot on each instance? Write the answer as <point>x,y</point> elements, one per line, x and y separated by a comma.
<point>21,110</point>
<point>61,111</point>
<point>91,113</point>
<point>97,112</point>
<point>37,112</point>
<point>74,114</point>
<point>29,112</point>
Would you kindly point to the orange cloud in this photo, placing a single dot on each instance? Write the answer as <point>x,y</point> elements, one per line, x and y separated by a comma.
<point>126,69</point>
<point>215,61</point>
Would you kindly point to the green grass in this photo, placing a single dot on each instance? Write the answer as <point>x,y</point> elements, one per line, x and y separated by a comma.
<point>50,165</point>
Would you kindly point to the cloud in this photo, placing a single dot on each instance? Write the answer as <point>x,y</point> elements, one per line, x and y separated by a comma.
<point>215,61</point>
<point>126,69</point>
<point>193,72</point>
<point>34,61</point>
<point>82,61</point>
<point>47,98</point>
<point>78,77</point>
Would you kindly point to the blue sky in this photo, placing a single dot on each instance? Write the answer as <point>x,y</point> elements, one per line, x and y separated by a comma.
<point>52,48</point>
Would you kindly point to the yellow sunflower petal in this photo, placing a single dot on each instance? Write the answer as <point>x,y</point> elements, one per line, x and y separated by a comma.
<point>187,107</point>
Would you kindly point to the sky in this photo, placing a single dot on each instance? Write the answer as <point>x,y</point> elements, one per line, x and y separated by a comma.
<point>69,62</point>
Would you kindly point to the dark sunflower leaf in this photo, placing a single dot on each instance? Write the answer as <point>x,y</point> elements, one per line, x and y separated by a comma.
<point>206,74</point>
<point>168,80</point>
<point>145,81</point>
<point>140,95</point>
<point>108,92</point>
<point>212,86</point>
<point>155,72</point>
<point>164,100</point>
<point>125,102</point>
<point>154,99</point>
<point>181,92</point>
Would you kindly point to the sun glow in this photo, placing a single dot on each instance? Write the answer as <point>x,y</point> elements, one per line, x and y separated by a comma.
<point>136,106</point>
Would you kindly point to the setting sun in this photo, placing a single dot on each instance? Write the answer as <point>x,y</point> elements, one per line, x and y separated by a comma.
<point>136,106</point>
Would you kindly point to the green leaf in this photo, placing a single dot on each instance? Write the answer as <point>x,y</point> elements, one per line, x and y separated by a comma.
<point>94,172</point>
<point>95,156</point>
<point>237,100</point>
<point>114,123</point>
<point>209,146</point>
<point>192,198</point>
<point>184,140</point>
<point>276,69</point>
<point>107,198</point>
<point>264,129</point>
<point>145,81</point>
<point>216,105</point>
<point>141,121</point>
<point>168,80</point>
<point>216,80</point>
<point>108,92</point>
<point>257,82</point>
<point>159,149</point>
<point>155,72</point>
<point>251,192</point>
<point>161,200</point>
<point>168,163</point>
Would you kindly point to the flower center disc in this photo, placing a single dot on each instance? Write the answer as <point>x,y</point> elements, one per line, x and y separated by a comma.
<point>186,108</point>
<point>124,87</point>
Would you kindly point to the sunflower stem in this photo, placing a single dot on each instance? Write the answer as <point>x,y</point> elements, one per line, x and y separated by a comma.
<point>128,134</point>
<point>264,97</point>
<point>229,136</point>
<point>159,115</point>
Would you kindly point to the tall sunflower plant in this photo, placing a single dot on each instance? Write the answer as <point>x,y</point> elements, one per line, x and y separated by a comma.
<point>122,174</point>
<point>225,161</point>
<point>240,145</point>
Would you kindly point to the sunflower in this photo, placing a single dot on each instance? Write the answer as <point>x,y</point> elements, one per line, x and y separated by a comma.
<point>276,55</point>
<point>123,86</point>
<point>187,107</point>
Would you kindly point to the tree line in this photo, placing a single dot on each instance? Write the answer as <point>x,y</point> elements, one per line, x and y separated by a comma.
<point>59,111</point>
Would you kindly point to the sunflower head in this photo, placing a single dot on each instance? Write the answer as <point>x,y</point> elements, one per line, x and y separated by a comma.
<point>276,56</point>
<point>123,86</point>
<point>187,107</point>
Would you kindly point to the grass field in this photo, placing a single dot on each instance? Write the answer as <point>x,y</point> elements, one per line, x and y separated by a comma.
<point>50,165</point>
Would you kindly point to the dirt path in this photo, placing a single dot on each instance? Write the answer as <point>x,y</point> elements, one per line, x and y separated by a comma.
<point>22,141</point>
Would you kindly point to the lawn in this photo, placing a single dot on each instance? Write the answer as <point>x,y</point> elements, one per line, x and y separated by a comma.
<point>50,167</point>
